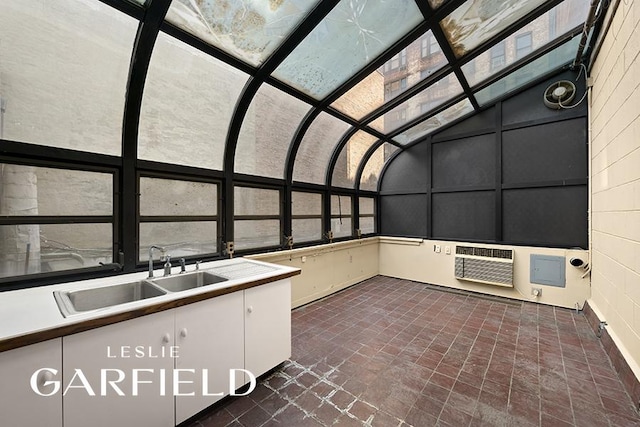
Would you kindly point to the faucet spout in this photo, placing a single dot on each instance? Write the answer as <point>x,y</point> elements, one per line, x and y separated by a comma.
<point>151,248</point>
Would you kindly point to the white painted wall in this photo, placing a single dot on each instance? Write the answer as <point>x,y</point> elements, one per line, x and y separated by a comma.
<point>329,268</point>
<point>615,180</point>
<point>415,259</point>
<point>326,269</point>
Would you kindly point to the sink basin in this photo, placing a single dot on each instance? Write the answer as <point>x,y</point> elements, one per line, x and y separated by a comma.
<point>74,302</point>
<point>182,282</point>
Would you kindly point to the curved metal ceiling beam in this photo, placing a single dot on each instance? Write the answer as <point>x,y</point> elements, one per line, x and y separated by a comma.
<point>263,73</point>
<point>142,49</point>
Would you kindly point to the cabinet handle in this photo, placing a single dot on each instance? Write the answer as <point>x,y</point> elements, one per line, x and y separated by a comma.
<point>166,338</point>
<point>250,309</point>
<point>183,333</point>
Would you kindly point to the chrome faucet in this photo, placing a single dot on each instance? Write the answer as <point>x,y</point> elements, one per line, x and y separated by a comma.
<point>182,266</point>
<point>167,266</point>
<point>162,251</point>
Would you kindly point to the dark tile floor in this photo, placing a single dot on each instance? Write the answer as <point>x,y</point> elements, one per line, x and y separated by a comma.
<point>390,352</point>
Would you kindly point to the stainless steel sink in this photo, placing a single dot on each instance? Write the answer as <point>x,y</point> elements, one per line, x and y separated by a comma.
<point>182,282</point>
<point>83,300</point>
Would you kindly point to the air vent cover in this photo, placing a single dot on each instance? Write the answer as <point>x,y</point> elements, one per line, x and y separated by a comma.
<point>492,266</point>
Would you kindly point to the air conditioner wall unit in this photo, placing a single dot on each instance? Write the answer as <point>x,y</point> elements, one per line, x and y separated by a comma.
<point>492,266</point>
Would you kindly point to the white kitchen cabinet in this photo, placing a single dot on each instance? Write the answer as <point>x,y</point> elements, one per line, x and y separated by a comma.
<point>20,405</point>
<point>267,326</point>
<point>141,347</point>
<point>210,339</point>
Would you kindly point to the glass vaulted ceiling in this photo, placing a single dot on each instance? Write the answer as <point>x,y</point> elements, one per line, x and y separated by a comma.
<point>340,85</point>
<point>325,91</point>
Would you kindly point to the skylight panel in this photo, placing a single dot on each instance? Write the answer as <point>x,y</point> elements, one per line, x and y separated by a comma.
<point>548,27</point>
<point>421,104</point>
<point>434,122</point>
<point>267,130</point>
<point>520,77</point>
<point>373,168</point>
<point>247,29</point>
<point>344,173</point>
<point>316,148</point>
<point>476,21</point>
<point>352,35</point>
<point>404,70</point>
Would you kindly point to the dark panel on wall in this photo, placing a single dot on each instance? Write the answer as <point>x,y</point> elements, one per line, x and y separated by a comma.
<point>554,151</point>
<point>466,215</point>
<point>404,215</point>
<point>485,120</point>
<point>408,171</point>
<point>464,162</point>
<point>529,105</point>
<point>515,173</point>
<point>546,216</point>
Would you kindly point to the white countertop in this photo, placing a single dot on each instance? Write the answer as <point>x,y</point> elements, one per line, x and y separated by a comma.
<point>33,310</point>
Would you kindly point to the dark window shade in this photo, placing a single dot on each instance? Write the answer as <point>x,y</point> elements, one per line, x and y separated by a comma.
<point>546,216</point>
<point>464,162</point>
<point>404,215</point>
<point>467,215</point>
<point>407,171</point>
<point>554,151</point>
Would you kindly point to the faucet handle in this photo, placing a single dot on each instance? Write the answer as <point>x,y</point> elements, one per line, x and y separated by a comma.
<point>167,266</point>
<point>198,265</point>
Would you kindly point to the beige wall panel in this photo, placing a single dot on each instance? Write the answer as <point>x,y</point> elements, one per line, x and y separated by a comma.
<point>615,182</point>
<point>411,260</point>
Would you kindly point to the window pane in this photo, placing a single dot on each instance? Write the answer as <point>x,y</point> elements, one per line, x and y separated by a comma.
<point>367,225</point>
<point>371,172</point>
<point>520,77</point>
<point>187,106</point>
<point>182,239</point>
<point>367,205</point>
<point>64,71</point>
<point>256,233</point>
<point>267,131</point>
<point>433,96</point>
<point>306,230</point>
<point>31,190</point>
<point>393,78</point>
<point>41,248</point>
<point>344,173</point>
<point>476,21</point>
<point>341,227</point>
<point>316,147</point>
<point>256,201</point>
<point>562,18</point>
<point>248,29</point>
<point>435,122</point>
<point>340,205</point>
<point>306,203</point>
<point>174,197</point>
<point>349,39</point>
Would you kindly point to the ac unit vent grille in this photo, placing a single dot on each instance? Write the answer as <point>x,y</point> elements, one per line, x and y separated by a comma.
<point>485,252</point>
<point>484,265</point>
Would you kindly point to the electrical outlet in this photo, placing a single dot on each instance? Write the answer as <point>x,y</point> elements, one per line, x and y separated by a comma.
<point>447,250</point>
<point>437,249</point>
<point>536,292</point>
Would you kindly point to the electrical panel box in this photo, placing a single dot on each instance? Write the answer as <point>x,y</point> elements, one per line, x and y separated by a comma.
<point>547,270</point>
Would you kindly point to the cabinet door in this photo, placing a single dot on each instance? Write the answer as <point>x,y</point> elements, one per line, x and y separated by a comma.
<point>210,340</point>
<point>20,405</point>
<point>267,326</point>
<point>140,347</point>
